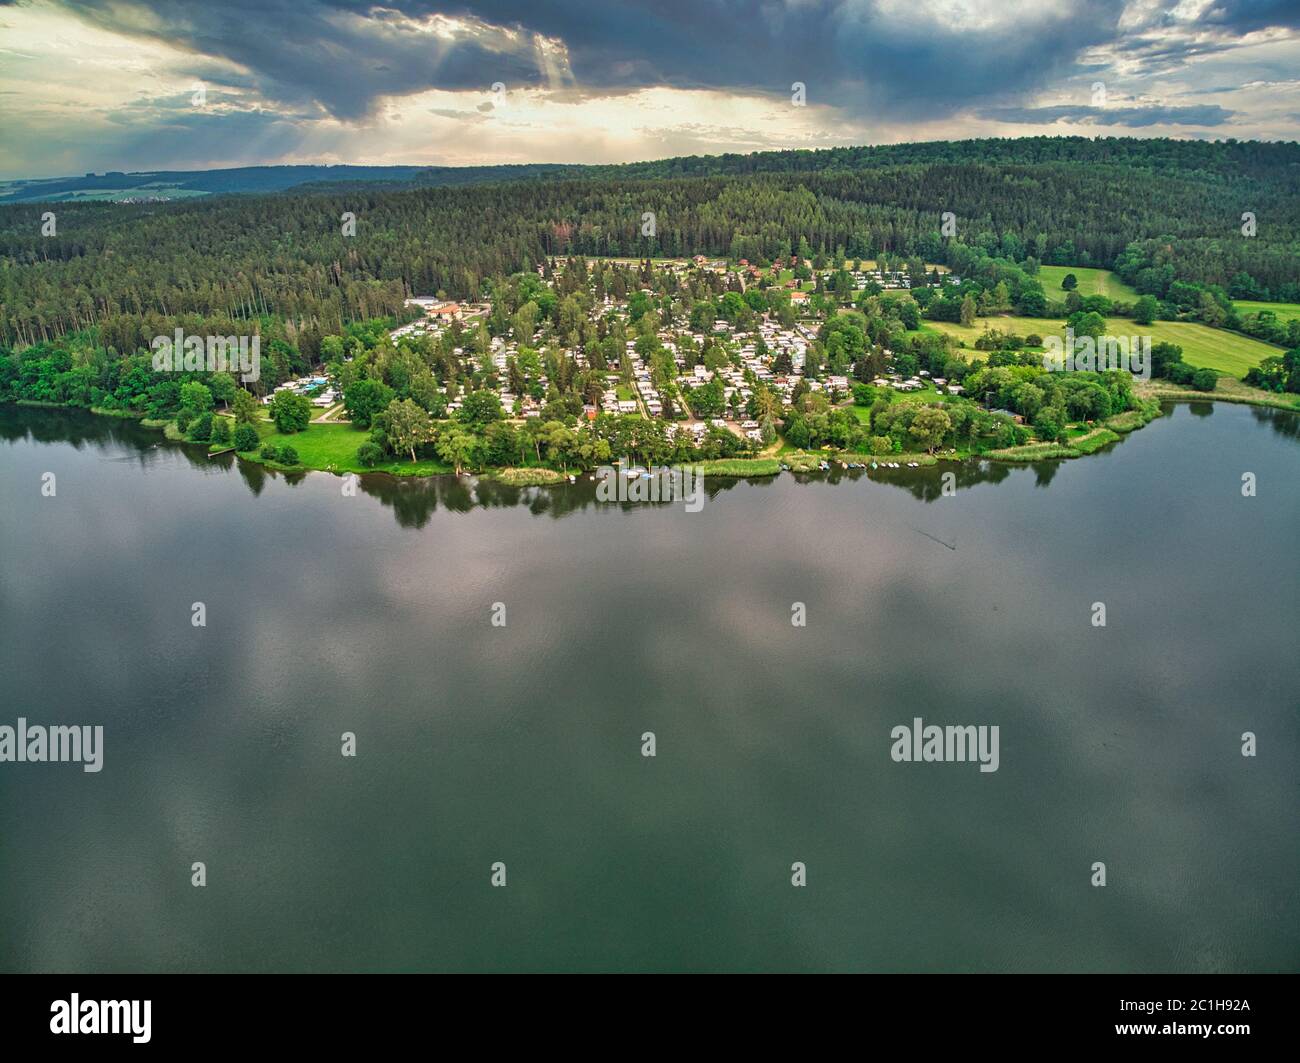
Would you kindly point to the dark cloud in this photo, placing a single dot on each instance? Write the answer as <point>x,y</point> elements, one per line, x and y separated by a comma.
<point>343,56</point>
<point>911,62</point>
<point>1135,117</point>
<point>900,63</point>
<point>1246,16</point>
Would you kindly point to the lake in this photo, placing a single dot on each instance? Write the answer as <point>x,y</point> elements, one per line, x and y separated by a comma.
<point>521,744</point>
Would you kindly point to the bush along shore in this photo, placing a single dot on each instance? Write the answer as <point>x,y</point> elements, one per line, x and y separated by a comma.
<point>338,447</point>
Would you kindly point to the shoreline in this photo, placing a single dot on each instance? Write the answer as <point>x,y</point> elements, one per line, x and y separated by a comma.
<point>1098,438</point>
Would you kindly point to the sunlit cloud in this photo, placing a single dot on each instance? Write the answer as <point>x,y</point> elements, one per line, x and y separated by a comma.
<point>115,84</point>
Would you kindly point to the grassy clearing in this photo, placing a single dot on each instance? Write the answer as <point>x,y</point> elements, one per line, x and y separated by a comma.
<point>1088,443</point>
<point>1205,347</point>
<point>1093,441</point>
<point>1131,420</point>
<point>1224,352</point>
<point>1284,311</point>
<point>534,477</point>
<point>966,335</point>
<point>740,467</point>
<point>809,460</point>
<point>929,393</point>
<point>1228,390</point>
<point>1032,452</point>
<point>333,448</point>
<point>1091,282</point>
<point>125,415</point>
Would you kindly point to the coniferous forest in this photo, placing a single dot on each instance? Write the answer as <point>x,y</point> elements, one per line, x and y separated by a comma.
<point>1161,212</point>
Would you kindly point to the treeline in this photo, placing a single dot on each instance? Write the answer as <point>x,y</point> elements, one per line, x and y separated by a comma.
<point>1052,200</point>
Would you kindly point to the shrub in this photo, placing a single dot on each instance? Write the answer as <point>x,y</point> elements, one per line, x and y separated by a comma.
<point>1047,425</point>
<point>184,418</point>
<point>270,452</point>
<point>220,433</point>
<point>246,438</point>
<point>288,456</point>
<point>1205,379</point>
<point>370,454</point>
<point>201,428</point>
<point>290,412</point>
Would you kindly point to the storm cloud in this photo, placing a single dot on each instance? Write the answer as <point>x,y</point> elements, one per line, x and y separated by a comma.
<point>107,83</point>
<point>910,59</point>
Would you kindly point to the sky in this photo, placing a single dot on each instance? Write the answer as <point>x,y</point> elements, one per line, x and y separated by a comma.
<point>95,85</point>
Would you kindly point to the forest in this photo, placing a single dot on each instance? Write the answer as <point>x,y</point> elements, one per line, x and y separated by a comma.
<point>1176,208</point>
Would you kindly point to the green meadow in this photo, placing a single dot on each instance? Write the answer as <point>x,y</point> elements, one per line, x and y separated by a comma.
<point>1091,282</point>
<point>333,448</point>
<point>1224,352</point>
<point>1284,311</point>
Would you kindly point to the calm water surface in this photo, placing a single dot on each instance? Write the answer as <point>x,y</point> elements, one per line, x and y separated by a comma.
<point>522,744</point>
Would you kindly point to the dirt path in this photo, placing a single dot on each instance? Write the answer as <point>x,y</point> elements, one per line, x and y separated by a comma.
<point>334,415</point>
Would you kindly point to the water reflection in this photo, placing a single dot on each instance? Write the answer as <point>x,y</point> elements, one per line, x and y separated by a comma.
<point>414,500</point>
<point>521,742</point>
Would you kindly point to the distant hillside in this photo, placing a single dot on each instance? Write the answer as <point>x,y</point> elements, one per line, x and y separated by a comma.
<point>1166,216</point>
<point>1157,157</point>
<point>249,180</point>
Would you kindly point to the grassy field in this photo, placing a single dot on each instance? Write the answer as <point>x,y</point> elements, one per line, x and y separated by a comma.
<point>1284,311</point>
<point>333,448</point>
<point>1228,390</point>
<point>740,467</point>
<point>1081,443</point>
<point>1225,352</point>
<point>525,477</point>
<point>1091,282</point>
<point>1019,326</point>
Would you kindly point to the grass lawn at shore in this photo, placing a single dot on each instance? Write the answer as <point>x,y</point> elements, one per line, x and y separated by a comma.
<point>1081,442</point>
<point>333,448</point>
<point>1092,281</point>
<point>739,467</point>
<point>1203,347</point>
<point>1284,311</point>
